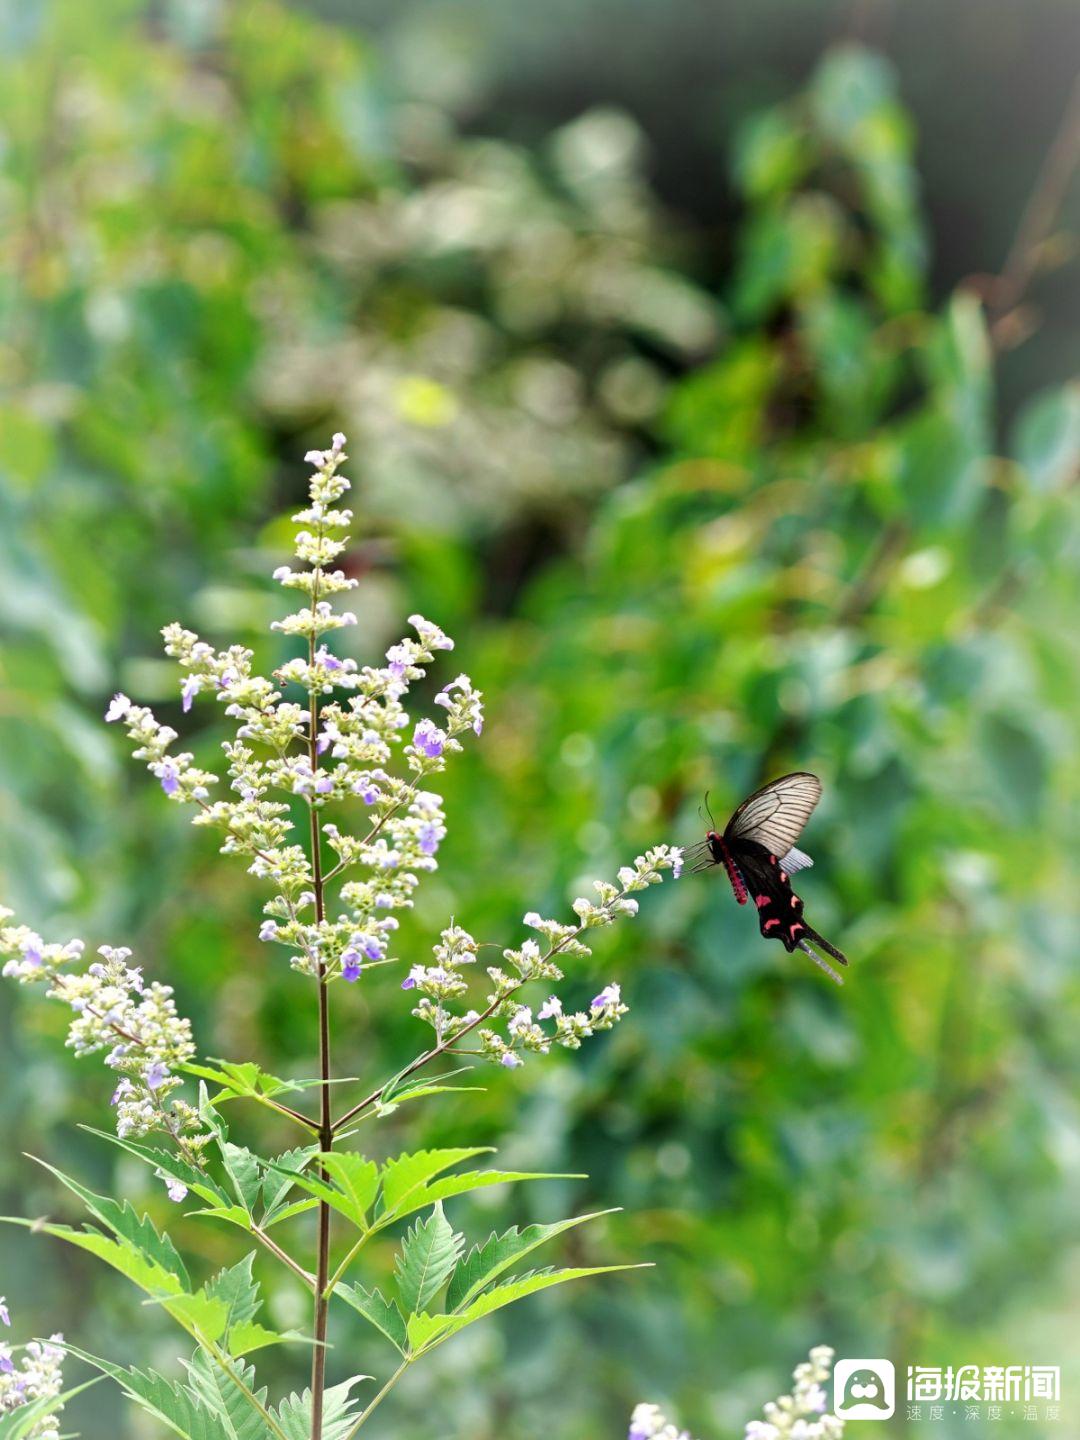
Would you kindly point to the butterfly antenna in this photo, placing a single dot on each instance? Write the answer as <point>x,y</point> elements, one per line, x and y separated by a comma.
<point>712,822</point>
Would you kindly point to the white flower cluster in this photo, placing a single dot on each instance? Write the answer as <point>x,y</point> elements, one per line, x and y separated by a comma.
<point>443,982</point>
<point>136,1024</point>
<point>648,1422</point>
<point>36,1376</point>
<point>802,1414</point>
<point>337,746</point>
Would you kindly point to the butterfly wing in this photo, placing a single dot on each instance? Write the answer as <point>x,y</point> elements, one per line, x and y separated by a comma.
<point>779,909</point>
<point>774,816</point>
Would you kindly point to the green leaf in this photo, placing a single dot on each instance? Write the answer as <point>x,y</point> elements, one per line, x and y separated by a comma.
<point>197,1181</point>
<point>239,1406</point>
<point>428,1255</point>
<point>247,1337</point>
<point>237,1289</point>
<point>433,1329</point>
<point>337,1199</point>
<point>340,1412</point>
<point>137,1231</point>
<point>383,1314</point>
<point>485,1262</point>
<point>452,1185</point>
<point>245,1172</point>
<point>408,1173</point>
<point>358,1179</point>
<point>168,1401</point>
<point>160,1284</point>
<point>277,1181</point>
<point>245,1080</point>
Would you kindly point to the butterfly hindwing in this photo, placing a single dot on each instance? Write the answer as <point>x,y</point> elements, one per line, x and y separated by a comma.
<point>779,909</point>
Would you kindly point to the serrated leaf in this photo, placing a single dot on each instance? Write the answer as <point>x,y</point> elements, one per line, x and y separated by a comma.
<point>357,1177</point>
<point>486,1262</point>
<point>507,1294</point>
<point>335,1198</point>
<point>240,1407</point>
<point>168,1401</point>
<point>245,1172</point>
<point>339,1412</point>
<point>451,1185</point>
<point>298,1207</point>
<point>197,1181</point>
<point>248,1336</point>
<point>123,1221</point>
<point>199,1313</point>
<point>383,1314</point>
<point>234,1214</point>
<point>120,1254</point>
<point>237,1290</point>
<point>277,1182</point>
<point>245,1079</point>
<point>403,1176</point>
<point>429,1252</point>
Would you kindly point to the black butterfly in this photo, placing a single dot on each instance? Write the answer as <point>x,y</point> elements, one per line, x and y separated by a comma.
<point>758,851</point>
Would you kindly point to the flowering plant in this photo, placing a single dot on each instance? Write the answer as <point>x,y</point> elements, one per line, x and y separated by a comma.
<point>295,770</point>
<point>801,1415</point>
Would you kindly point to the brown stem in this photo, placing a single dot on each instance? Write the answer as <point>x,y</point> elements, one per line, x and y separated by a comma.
<point>326,1127</point>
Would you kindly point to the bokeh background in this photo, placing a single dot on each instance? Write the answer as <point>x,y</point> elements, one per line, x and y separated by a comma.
<point>710,374</point>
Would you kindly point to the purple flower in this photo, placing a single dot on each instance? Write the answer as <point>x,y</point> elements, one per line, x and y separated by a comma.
<point>429,838</point>
<point>429,739</point>
<point>368,792</point>
<point>398,658</point>
<point>119,706</point>
<point>551,1009</point>
<point>415,975</point>
<point>324,784</point>
<point>156,1075</point>
<point>676,862</point>
<point>31,950</point>
<point>282,572</point>
<point>6,1367</point>
<point>328,661</point>
<point>268,930</point>
<point>322,744</point>
<point>314,457</point>
<point>510,1061</point>
<point>5,1315</point>
<point>188,691</point>
<point>125,1087</point>
<point>609,995</point>
<point>177,1190</point>
<point>169,776</point>
<point>338,442</point>
<point>351,964</point>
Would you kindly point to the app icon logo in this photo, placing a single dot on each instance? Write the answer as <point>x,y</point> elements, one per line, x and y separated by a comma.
<point>864,1389</point>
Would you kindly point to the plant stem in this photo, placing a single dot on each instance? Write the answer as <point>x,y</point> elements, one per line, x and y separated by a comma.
<point>326,1127</point>
<point>370,1409</point>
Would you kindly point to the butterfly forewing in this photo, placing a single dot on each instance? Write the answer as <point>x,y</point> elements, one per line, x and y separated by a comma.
<point>775,815</point>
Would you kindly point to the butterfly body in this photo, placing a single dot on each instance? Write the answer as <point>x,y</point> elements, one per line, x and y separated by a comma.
<point>757,849</point>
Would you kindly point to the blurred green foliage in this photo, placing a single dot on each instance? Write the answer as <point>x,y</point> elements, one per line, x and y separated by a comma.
<point>685,542</point>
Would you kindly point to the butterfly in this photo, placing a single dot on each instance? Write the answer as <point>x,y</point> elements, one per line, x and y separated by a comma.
<point>757,849</point>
